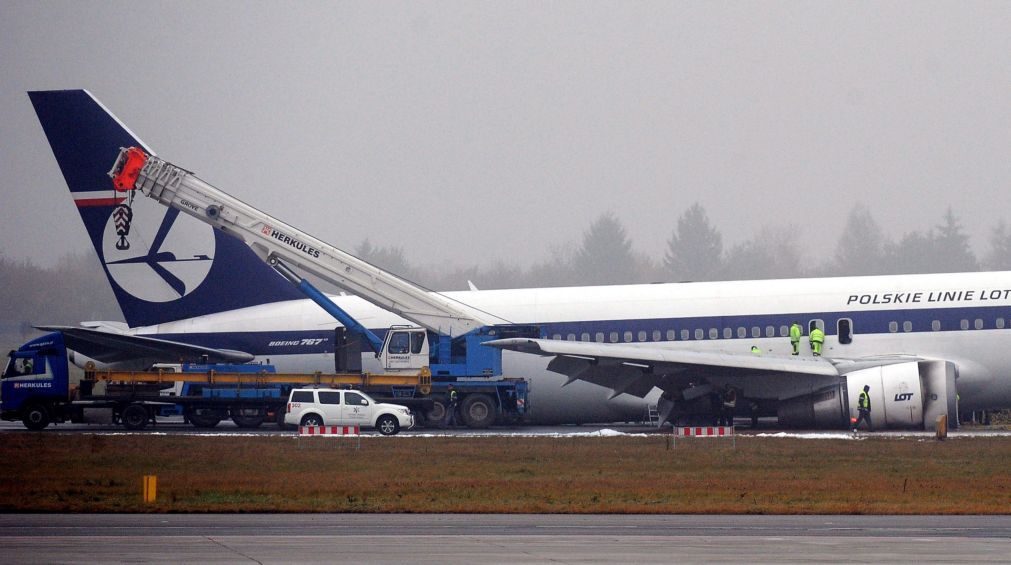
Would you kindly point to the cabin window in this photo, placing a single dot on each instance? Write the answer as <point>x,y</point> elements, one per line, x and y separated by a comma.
<point>728,333</point>
<point>571,337</point>
<point>893,327</point>
<point>815,323</point>
<point>585,336</point>
<point>26,365</point>
<point>656,335</point>
<point>978,324</point>
<point>770,331</point>
<point>685,336</point>
<point>1000,323</point>
<point>670,335</point>
<point>964,324</point>
<point>844,328</point>
<point>614,337</point>
<point>756,331</point>
<point>935,325</point>
<point>742,332</point>
<point>714,333</point>
<point>600,337</point>
<point>417,342</point>
<point>907,326</point>
<point>699,334</point>
<point>556,337</point>
<point>628,337</point>
<point>400,343</point>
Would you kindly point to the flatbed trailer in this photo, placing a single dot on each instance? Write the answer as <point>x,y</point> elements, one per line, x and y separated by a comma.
<point>37,389</point>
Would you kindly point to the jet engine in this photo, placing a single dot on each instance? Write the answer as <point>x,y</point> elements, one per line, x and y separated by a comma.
<point>903,395</point>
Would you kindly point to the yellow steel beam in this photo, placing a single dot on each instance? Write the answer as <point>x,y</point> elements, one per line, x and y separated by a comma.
<point>422,379</point>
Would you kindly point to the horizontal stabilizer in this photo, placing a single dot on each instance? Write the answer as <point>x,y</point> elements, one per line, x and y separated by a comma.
<point>110,347</point>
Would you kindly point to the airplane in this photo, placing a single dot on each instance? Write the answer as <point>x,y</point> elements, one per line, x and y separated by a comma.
<point>927,345</point>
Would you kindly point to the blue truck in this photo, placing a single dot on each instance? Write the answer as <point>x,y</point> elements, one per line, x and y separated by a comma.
<point>36,388</point>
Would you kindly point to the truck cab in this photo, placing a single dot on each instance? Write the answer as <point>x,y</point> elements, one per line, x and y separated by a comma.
<point>36,376</point>
<point>404,349</point>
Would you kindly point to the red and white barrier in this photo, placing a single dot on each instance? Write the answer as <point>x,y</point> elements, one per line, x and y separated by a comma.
<point>328,431</point>
<point>705,431</point>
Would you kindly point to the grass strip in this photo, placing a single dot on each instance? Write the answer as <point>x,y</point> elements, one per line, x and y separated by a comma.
<point>95,473</point>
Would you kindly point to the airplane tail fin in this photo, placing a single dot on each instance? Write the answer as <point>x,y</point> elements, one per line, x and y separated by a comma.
<point>162,266</point>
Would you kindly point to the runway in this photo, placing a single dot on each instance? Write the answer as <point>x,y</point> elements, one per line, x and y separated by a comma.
<point>370,538</point>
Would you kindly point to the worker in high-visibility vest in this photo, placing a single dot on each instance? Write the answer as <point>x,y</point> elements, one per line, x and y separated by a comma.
<point>864,409</point>
<point>453,399</point>
<point>817,339</point>
<point>795,333</point>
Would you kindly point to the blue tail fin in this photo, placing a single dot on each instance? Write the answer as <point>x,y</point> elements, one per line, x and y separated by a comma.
<point>168,266</point>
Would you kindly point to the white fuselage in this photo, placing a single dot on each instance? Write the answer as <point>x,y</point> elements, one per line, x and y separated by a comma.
<point>962,318</point>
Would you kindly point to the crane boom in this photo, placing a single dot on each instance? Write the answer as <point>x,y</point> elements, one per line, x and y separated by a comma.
<point>274,240</point>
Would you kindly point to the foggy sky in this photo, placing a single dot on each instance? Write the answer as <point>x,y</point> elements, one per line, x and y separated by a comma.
<point>474,132</point>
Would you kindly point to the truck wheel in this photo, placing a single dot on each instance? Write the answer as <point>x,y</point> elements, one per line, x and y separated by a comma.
<point>437,415</point>
<point>134,417</point>
<point>279,415</point>
<point>36,417</point>
<point>478,410</point>
<point>312,420</point>
<point>205,419</point>
<point>248,422</point>
<point>247,417</point>
<point>387,425</point>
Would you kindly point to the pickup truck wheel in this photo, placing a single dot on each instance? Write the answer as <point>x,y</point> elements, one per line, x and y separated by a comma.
<point>134,417</point>
<point>206,419</point>
<point>478,410</point>
<point>312,420</point>
<point>35,417</point>
<point>387,425</point>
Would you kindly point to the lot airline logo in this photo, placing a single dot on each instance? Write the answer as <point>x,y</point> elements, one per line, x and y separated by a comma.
<point>169,255</point>
<point>288,240</point>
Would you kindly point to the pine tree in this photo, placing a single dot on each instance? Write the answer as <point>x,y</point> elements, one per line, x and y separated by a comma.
<point>605,256</point>
<point>695,249</point>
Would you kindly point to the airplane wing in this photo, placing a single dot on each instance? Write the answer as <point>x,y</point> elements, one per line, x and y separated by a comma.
<point>109,347</point>
<point>637,369</point>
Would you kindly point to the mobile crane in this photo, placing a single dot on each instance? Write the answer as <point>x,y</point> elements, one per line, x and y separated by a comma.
<point>449,334</point>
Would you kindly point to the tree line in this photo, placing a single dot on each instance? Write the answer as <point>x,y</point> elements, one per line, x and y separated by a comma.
<point>695,251</point>
<point>76,290</point>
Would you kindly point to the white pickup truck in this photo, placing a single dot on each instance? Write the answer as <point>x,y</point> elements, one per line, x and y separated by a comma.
<point>330,407</point>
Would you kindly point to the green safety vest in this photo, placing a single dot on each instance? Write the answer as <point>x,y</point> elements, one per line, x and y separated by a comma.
<point>817,335</point>
<point>865,401</point>
<point>795,332</point>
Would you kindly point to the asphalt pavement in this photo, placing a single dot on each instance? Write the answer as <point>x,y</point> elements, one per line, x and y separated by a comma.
<point>439,538</point>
